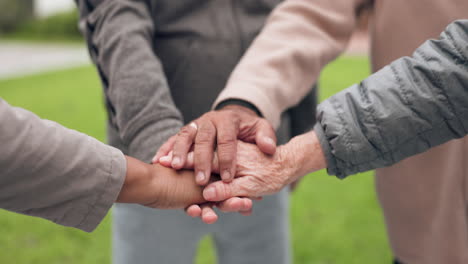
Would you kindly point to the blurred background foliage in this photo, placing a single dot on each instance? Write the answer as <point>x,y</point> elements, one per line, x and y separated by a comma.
<point>18,22</point>
<point>14,12</point>
<point>61,26</point>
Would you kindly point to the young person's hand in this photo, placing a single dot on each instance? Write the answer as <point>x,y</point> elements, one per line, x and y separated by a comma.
<point>159,187</point>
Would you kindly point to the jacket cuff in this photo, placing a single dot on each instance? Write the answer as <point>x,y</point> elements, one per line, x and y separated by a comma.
<point>254,96</point>
<point>326,148</point>
<point>240,103</point>
<point>106,193</point>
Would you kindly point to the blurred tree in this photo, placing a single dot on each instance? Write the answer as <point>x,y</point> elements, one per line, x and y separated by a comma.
<point>13,12</point>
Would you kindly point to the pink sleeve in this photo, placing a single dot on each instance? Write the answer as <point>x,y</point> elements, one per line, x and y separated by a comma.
<point>299,39</point>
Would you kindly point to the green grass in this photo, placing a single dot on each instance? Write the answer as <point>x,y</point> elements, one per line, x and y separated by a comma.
<point>332,221</point>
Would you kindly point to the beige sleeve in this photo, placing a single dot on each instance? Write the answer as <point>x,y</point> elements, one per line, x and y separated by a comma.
<point>299,39</point>
<point>56,173</point>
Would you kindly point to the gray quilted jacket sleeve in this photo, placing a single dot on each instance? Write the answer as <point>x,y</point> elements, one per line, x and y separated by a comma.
<point>119,34</point>
<point>404,109</point>
<point>49,171</point>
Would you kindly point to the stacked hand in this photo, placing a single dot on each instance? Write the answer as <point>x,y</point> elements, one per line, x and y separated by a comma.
<point>218,130</point>
<point>159,187</point>
<point>259,169</point>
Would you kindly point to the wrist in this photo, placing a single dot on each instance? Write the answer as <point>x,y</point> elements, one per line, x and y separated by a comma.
<point>302,155</point>
<point>239,105</point>
<point>138,175</point>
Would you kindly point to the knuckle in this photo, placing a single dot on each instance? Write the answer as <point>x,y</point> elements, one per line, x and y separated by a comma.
<point>226,156</point>
<point>226,161</point>
<point>204,140</point>
<point>184,132</point>
<point>208,128</point>
<point>201,164</point>
<point>225,190</point>
<point>206,135</point>
<point>227,140</point>
<point>226,152</point>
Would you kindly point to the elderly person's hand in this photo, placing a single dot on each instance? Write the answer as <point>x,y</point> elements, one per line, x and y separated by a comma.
<point>205,210</point>
<point>259,174</point>
<point>218,130</point>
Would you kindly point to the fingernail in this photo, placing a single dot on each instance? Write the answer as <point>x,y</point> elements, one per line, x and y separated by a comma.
<point>176,162</point>
<point>209,193</point>
<point>200,176</point>
<point>190,156</point>
<point>269,141</point>
<point>226,175</point>
<point>165,159</point>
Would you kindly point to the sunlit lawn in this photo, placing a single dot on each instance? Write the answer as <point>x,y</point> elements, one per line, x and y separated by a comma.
<point>332,221</point>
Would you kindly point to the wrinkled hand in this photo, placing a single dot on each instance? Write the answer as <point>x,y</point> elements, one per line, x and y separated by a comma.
<point>218,130</point>
<point>205,211</point>
<point>259,174</point>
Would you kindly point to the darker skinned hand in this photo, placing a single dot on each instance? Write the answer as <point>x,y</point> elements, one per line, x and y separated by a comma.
<point>218,131</point>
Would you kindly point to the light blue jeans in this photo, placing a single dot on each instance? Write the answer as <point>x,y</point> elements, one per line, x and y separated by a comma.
<point>143,236</point>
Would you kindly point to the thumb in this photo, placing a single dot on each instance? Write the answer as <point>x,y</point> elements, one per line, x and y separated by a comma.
<point>265,137</point>
<point>220,191</point>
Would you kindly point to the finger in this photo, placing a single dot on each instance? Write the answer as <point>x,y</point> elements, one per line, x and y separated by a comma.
<point>164,149</point>
<point>194,211</point>
<point>203,152</point>
<point>215,164</point>
<point>184,141</point>
<point>209,216</point>
<point>265,137</point>
<point>248,207</point>
<point>189,161</point>
<point>220,191</point>
<point>166,161</point>
<point>227,131</point>
<point>189,164</point>
<point>236,204</point>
